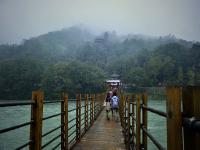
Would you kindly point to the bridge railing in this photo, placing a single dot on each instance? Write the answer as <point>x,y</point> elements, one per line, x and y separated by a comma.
<point>88,107</point>
<point>182,116</point>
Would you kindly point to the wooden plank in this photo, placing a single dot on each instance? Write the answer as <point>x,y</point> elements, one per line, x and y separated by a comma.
<point>66,121</point>
<point>96,97</point>
<point>86,112</point>
<point>36,116</point>
<point>128,126</point>
<point>80,108</point>
<point>103,135</point>
<point>174,119</point>
<point>144,120</point>
<point>78,120</point>
<point>62,122</point>
<point>133,121</point>
<point>138,126</point>
<point>92,108</point>
<point>191,108</point>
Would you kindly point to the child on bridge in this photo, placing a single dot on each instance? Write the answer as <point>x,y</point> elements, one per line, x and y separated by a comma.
<point>115,104</point>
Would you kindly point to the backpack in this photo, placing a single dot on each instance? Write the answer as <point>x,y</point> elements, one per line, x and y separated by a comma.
<point>115,102</point>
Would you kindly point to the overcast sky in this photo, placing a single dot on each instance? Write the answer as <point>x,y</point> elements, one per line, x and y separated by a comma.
<point>22,19</point>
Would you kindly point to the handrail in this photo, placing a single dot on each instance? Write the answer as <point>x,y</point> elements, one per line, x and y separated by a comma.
<point>55,147</point>
<point>72,120</point>
<point>72,140</point>
<point>8,104</point>
<point>52,130</point>
<point>53,101</point>
<point>191,123</point>
<point>72,110</point>
<point>43,146</point>
<point>72,99</point>
<point>92,105</point>
<point>158,112</point>
<point>52,116</point>
<point>24,145</point>
<point>15,127</point>
<point>72,133</point>
<point>71,127</point>
<point>158,145</point>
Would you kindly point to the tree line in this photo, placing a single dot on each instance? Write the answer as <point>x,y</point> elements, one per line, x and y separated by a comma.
<point>75,60</point>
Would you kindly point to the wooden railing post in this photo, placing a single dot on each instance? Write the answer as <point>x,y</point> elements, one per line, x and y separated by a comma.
<point>36,116</point>
<point>133,121</point>
<point>125,122</point>
<point>120,109</point>
<point>92,112</point>
<point>64,121</point>
<point>96,96</point>
<point>138,115</point>
<point>128,126</point>
<point>86,112</point>
<point>174,119</point>
<point>78,117</point>
<point>144,121</point>
<point>123,112</point>
<point>191,108</point>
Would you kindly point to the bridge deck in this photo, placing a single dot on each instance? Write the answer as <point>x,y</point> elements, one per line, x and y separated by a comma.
<point>103,135</point>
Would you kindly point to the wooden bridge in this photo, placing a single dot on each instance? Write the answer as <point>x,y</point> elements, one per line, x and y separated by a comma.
<point>89,129</point>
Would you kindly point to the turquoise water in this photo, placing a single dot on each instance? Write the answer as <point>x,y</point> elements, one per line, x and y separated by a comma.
<point>10,116</point>
<point>157,124</point>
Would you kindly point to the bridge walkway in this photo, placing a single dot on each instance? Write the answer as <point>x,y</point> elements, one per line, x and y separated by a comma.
<point>103,135</point>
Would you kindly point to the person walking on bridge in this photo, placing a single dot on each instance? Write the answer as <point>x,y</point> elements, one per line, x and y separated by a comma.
<point>108,99</point>
<point>115,105</point>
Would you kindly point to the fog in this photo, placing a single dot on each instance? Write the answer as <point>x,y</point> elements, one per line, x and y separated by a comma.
<point>22,19</point>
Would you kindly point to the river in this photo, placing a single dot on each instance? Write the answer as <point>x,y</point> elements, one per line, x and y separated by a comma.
<point>10,116</point>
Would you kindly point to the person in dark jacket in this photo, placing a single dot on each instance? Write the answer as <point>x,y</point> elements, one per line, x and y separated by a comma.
<point>108,99</point>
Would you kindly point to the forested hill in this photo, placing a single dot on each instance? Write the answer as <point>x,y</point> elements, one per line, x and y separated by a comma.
<point>74,59</point>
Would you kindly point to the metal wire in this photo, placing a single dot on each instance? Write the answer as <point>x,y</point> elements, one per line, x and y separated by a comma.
<point>72,127</point>
<point>158,112</point>
<point>72,120</point>
<point>158,145</point>
<point>72,133</point>
<point>55,101</point>
<point>72,140</point>
<point>45,118</point>
<point>71,110</point>
<point>16,104</point>
<point>51,141</point>
<point>56,146</point>
<point>47,133</point>
<point>15,127</point>
<point>24,145</point>
<point>72,99</point>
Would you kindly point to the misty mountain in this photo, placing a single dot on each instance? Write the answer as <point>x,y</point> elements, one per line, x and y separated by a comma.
<point>75,59</point>
<point>76,41</point>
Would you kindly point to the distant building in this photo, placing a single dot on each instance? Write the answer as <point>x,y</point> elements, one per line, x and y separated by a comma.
<point>101,41</point>
<point>115,76</point>
<point>114,82</point>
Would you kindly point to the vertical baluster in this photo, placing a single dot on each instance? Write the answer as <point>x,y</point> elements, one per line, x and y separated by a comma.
<point>174,119</point>
<point>191,108</point>
<point>144,121</point>
<point>36,116</point>
<point>128,125</point>
<point>138,115</point>
<point>64,121</point>
<point>133,121</point>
